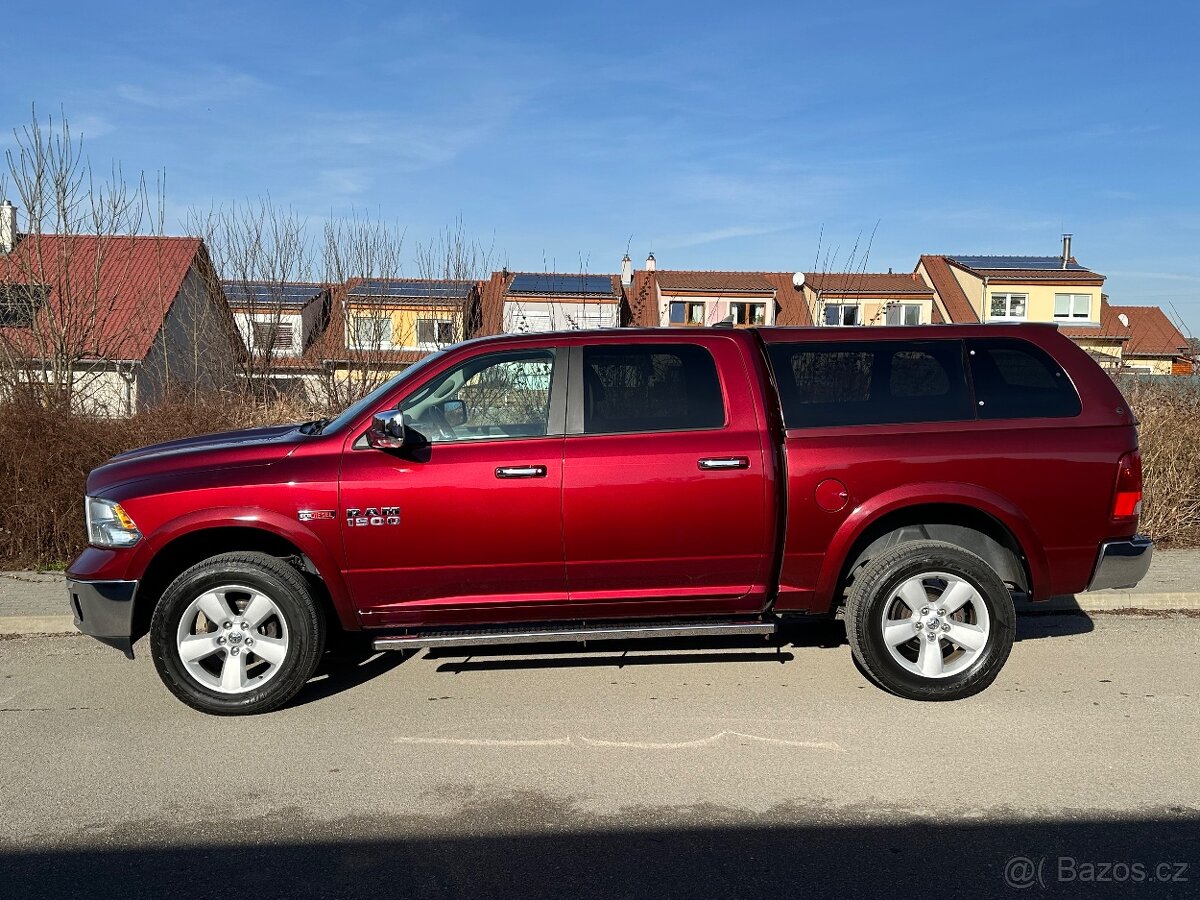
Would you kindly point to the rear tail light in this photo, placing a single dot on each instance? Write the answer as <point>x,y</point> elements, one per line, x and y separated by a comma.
<point>1127,499</point>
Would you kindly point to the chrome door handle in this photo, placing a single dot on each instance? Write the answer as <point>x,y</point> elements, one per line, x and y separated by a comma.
<point>521,472</point>
<point>725,462</point>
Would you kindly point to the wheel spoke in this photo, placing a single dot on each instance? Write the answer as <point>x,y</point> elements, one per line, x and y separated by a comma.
<point>258,610</point>
<point>214,607</point>
<point>913,593</point>
<point>955,596</point>
<point>929,660</point>
<point>273,650</point>
<point>197,647</point>
<point>898,632</point>
<point>233,672</point>
<point>969,637</point>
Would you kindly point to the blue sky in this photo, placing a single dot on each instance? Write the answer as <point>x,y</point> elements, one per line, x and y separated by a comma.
<point>720,135</point>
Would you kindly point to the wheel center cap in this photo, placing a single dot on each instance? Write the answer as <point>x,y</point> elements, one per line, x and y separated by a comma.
<point>932,622</point>
<point>235,636</point>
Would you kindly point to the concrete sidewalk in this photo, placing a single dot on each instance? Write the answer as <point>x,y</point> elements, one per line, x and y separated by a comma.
<point>36,602</point>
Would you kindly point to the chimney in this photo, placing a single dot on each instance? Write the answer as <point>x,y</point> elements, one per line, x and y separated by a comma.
<point>8,227</point>
<point>626,271</point>
<point>650,263</point>
<point>1066,254</point>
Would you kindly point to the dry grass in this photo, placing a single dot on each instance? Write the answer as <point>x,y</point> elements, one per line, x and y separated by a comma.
<point>45,457</point>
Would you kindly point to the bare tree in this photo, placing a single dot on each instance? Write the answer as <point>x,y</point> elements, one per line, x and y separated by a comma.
<point>60,299</point>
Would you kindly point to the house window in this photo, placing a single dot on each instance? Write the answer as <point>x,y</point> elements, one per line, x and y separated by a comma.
<point>903,314</point>
<point>372,332</point>
<point>748,313</point>
<point>1008,306</point>
<point>19,303</point>
<point>272,335</point>
<point>687,312</point>
<point>841,314</point>
<point>1072,306</point>
<point>435,331</point>
<point>532,321</point>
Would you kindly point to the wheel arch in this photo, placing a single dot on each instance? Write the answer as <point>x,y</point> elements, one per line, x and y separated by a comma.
<point>999,535</point>
<point>194,545</point>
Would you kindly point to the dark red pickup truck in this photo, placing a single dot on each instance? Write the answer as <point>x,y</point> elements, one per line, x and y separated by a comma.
<point>633,483</point>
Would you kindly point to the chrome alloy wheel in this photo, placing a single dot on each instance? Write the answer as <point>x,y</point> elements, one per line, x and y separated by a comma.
<point>935,625</point>
<point>232,639</point>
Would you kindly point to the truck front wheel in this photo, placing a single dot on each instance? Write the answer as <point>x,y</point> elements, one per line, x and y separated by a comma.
<point>238,633</point>
<point>930,621</point>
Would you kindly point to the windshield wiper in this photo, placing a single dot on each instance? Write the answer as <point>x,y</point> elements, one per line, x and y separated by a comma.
<point>315,426</point>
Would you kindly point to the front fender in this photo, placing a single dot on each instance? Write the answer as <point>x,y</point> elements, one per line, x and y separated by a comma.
<point>969,496</point>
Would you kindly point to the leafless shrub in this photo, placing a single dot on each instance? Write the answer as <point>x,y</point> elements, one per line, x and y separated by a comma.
<point>1169,436</point>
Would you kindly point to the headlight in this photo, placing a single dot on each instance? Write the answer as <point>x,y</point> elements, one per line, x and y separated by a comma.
<point>110,526</point>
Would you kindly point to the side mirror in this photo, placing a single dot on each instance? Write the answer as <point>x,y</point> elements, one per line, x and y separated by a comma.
<point>454,412</point>
<point>388,430</point>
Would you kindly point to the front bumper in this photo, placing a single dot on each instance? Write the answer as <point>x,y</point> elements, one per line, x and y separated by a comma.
<point>104,610</point>
<point>1122,564</point>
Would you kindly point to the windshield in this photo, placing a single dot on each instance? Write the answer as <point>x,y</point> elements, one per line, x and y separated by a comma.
<point>371,400</point>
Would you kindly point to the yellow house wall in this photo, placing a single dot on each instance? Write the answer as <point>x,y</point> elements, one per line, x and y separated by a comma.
<point>404,322</point>
<point>972,287</point>
<point>1158,365</point>
<point>1040,306</point>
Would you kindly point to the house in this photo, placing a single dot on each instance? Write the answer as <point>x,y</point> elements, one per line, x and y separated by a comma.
<point>522,302</point>
<point>407,315</point>
<point>868,298</point>
<point>111,323</point>
<point>1056,289</point>
<point>1014,288</point>
<point>278,319</point>
<point>691,298</point>
<point>1156,346</point>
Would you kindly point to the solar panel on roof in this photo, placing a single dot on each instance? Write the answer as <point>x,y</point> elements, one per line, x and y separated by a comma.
<point>1041,263</point>
<point>532,283</point>
<point>263,293</point>
<point>412,288</point>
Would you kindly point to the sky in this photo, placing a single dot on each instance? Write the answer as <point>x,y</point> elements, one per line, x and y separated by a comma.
<point>760,136</point>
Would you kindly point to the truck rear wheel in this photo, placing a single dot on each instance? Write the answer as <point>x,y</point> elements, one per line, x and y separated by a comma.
<point>239,633</point>
<point>928,620</point>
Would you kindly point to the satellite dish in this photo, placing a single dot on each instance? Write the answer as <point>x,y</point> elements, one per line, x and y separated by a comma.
<point>1123,319</point>
<point>798,280</point>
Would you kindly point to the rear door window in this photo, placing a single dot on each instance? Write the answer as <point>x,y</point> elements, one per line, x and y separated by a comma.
<point>650,387</point>
<point>870,382</point>
<point>1013,379</point>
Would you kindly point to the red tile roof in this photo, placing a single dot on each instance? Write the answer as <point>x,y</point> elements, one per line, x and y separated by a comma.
<point>1151,332</point>
<point>867,284</point>
<point>791,307</point>
<point>671,280</point>
<point>1043,276</point>
<point>108,295</point>
<point>958,307</point>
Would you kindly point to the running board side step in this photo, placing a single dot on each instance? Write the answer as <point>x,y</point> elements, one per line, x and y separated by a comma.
<point>561,634</point>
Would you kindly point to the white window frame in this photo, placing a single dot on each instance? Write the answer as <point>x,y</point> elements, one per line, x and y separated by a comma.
<point>386,333</point>
<point>902,310</point>
<point>1072,314</point>
<point>841,316</point>
<point>1009,299</point>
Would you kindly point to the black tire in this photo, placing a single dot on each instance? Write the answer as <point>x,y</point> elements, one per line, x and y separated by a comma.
<point>294,600</point>
<point>872,593</point>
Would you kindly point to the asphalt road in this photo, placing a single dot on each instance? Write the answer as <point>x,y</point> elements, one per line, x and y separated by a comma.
<point>672,770</point>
